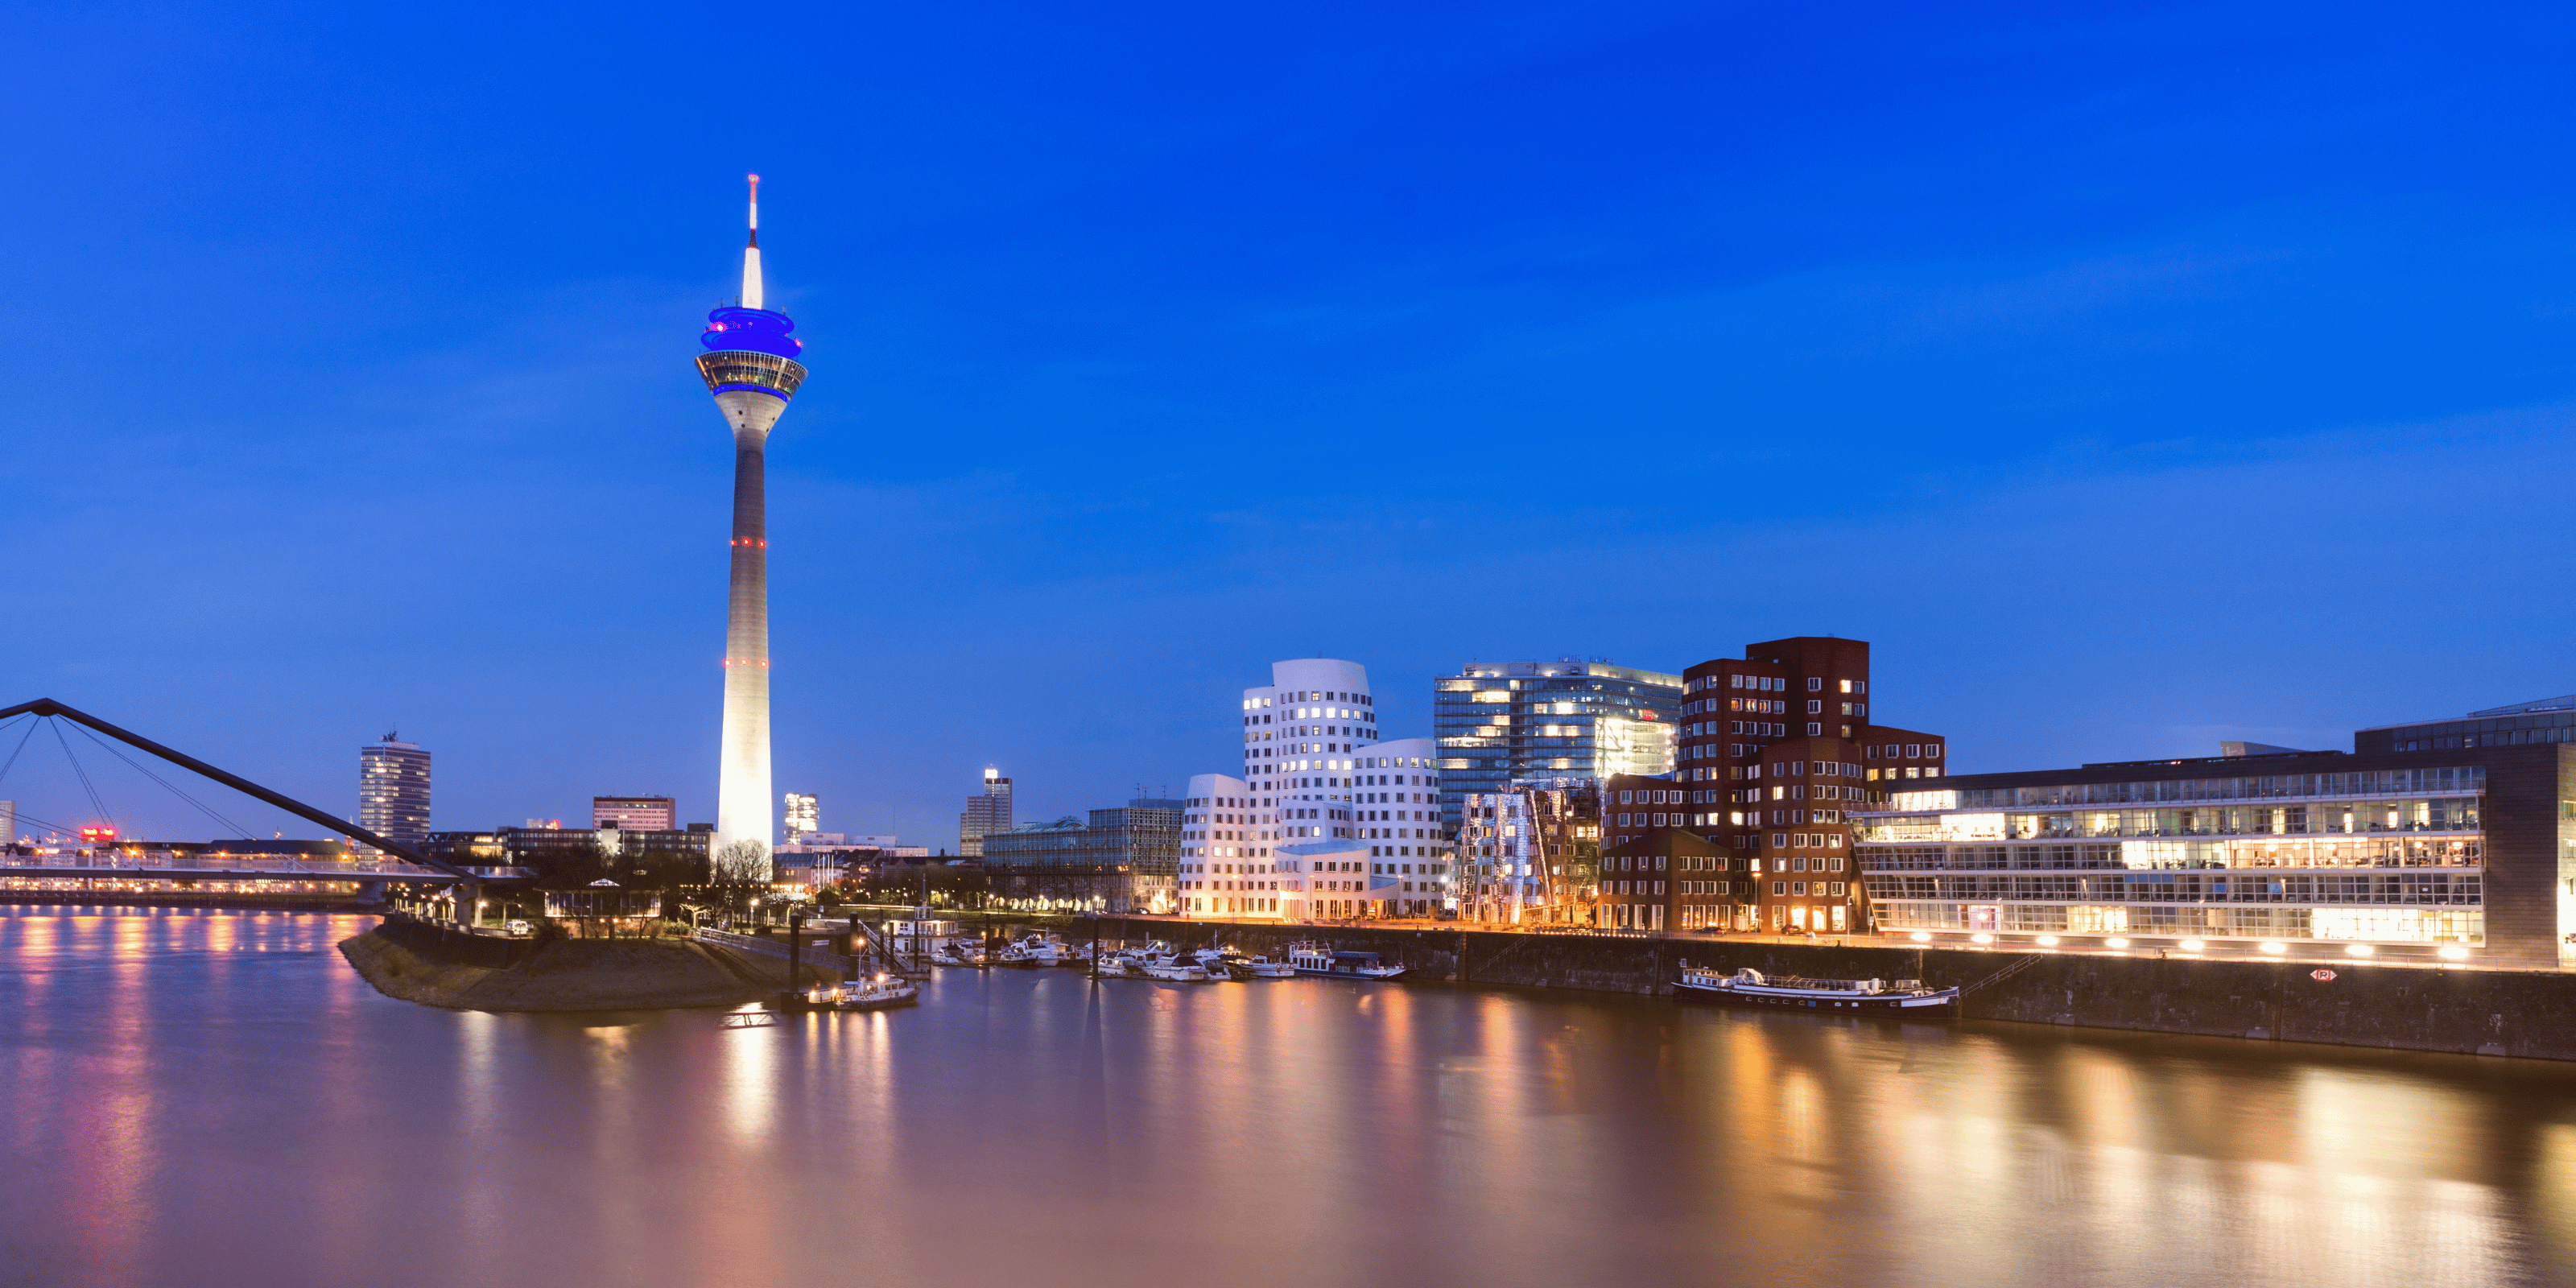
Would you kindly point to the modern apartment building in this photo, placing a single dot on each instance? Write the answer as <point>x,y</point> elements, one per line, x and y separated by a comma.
<point>2448,839</point>
<point>1505,721</point>
<point>393,792</point>
<point>986,814</point>
<point>635,813</point>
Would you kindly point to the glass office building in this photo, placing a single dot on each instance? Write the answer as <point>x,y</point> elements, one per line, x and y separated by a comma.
<point>1499,722</point>
<point>1121,860</point>
<point>2456,849</point>
<point>393,792</point>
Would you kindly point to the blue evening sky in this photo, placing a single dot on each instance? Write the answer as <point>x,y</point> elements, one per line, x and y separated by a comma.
<point>2132,375</point>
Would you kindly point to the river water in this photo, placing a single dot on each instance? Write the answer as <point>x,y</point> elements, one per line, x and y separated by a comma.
<point>216,1098</point>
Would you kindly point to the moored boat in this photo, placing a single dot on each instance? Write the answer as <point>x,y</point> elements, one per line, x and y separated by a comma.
<point>1750,987</point>
<point>1319,959</point>
<point>1258,966</point>
<point>1174,968</point>
<point>867,993</point>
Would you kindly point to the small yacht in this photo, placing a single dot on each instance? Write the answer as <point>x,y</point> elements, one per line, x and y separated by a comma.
<point>1750,987</point>
<point>1121,964</point>
<point>957,952</point>
<point>1039,949</point>
<point>1174,967</point>
<point>1318,959</point>
<point>1258,967</point>
<point>1213,961</point>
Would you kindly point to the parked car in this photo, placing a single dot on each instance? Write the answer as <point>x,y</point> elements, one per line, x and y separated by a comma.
<point>518,930</point>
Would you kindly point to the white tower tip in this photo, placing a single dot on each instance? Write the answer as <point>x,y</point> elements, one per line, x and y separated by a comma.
<point>751,294</point>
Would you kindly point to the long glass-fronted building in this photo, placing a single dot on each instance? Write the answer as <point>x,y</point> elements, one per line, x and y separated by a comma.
<point>1121,860</point>
<point>1503,721</point>
<point>2461,851</point>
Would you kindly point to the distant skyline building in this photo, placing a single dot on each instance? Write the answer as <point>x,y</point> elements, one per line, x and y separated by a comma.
<point>750,366</point>
<point>804,818</point>
<point>986,814</point>
<point>635,813</point>
<point>1500,722</point>
<point>393,791</point>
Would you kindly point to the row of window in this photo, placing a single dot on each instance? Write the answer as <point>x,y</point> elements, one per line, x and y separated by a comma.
<point>2191,887</point>
<point>2384,925</point>
<point>2390,852</point>
<point>2380,782</point>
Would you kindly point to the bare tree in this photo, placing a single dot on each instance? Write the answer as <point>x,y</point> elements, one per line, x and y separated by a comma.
<point>745,862</point>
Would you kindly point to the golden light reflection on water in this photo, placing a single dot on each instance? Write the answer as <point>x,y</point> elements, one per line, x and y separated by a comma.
<point>1036,1125</point>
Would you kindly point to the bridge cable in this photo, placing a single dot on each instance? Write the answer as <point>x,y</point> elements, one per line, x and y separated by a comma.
<point>22,746</point>
<point>86,784</point>
<point>166,785</point>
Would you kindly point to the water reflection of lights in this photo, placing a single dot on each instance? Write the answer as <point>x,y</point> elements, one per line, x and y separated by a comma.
<point>747,1082</point>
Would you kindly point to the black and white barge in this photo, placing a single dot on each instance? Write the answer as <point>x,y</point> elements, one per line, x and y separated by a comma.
<point>1749,987</point>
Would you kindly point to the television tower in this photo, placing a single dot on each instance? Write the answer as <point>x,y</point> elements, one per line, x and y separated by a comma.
<point>750,366</point>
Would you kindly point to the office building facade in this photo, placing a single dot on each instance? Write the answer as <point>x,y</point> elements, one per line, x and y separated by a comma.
<point>1321,773</point>
<point>1497,723</point>
<point>1777,748</point>
<point>801,817</point>
<point>986,813</point>
<point>1530,855</point>
<point>393,792</point>
<point>1299,730</point>
<point>1229,865</point>
<point>635,813</point>
<point>2462,846</point>
<point>1117,860</point>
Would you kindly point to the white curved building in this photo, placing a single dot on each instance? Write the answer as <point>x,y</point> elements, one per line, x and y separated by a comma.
<point>1341,821</point>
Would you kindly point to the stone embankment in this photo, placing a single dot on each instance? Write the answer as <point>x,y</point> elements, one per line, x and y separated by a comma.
<point>2481,1012</point>
<point>436,966</point>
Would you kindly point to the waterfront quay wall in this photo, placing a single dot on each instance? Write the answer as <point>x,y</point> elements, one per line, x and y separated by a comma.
<point>2481,1012</point>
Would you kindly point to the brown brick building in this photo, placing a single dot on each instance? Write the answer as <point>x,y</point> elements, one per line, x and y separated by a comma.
<point>1776,748</point>
<point>1666,878</point>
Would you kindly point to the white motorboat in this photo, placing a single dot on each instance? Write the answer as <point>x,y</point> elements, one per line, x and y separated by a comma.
<point>1038,950</point>
<point>1750,987</point>
<point>1258,967</point>
<point>1175,968</point>
<point>957,952</point>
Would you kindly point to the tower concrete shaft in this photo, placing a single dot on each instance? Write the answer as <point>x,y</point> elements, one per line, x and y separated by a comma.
<point>750,366</point>
<point>742,784</point>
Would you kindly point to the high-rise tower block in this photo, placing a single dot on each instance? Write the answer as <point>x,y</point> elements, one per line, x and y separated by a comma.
<point>750,366</point>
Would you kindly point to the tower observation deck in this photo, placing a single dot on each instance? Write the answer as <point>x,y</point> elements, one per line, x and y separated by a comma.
<point>751,367</point>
